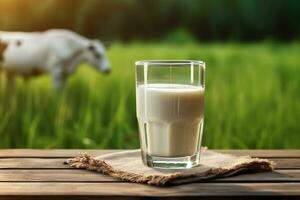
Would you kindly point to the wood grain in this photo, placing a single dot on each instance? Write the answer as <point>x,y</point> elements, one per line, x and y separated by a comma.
<point>50,153</point>
<point>28,163</point>
<point>40,174</point>
<point>139,190</point>
<point>264,153</point>
<point>57,163</point>
<point>70,175</point>
<point>67,153</point>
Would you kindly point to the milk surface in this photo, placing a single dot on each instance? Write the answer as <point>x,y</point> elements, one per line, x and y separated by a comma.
<point>170,118</point>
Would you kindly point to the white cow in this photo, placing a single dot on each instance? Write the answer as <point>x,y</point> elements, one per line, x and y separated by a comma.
<point>57,52</point>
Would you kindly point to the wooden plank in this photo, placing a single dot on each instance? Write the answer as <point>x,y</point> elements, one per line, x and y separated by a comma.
<point>70,175</point>
<point>120,189</point>
<point>57,163</point>
<point>50,153</point>
<point>94,197</point>
<point>274,176</point>
<point>28,163</point>
<point>287,163</point>
<point>66,153</point>
<point>264,153</point>
<point>106,197</point>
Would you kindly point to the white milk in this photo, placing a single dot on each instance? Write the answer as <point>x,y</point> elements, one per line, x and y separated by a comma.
<point>170,119</point>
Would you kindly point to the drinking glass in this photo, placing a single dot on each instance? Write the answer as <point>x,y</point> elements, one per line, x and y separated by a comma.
<point>170,111</point>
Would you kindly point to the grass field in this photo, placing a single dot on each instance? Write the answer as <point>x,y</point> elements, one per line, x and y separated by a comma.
<point>252,100</point>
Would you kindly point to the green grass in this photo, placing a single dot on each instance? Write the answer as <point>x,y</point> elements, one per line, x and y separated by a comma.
<point>252,100</point>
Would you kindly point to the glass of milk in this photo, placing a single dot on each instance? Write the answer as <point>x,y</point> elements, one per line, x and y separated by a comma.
<point>170,111</point>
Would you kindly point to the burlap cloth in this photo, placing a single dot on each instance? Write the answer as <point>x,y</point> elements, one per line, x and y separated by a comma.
<point>127,166</point>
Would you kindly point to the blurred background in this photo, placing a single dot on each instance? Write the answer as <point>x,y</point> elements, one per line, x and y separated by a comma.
<point>251,48</point>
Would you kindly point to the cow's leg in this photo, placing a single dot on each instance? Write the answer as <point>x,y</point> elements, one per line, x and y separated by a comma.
<point>58,78</point>
<point>10,81</point>
<point>26,79</point>
<point>2,78</point>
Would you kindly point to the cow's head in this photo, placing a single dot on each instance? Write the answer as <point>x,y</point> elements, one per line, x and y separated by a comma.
<point>97,57</point>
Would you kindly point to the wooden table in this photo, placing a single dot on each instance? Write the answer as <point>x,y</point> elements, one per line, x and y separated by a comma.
<point>40,174</point>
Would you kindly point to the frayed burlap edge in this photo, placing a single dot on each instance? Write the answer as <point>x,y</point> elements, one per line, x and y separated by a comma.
<point>249,164</point>
<point>86,161</point>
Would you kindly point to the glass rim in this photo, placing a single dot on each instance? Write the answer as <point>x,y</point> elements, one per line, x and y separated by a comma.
<point>169,62</point>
